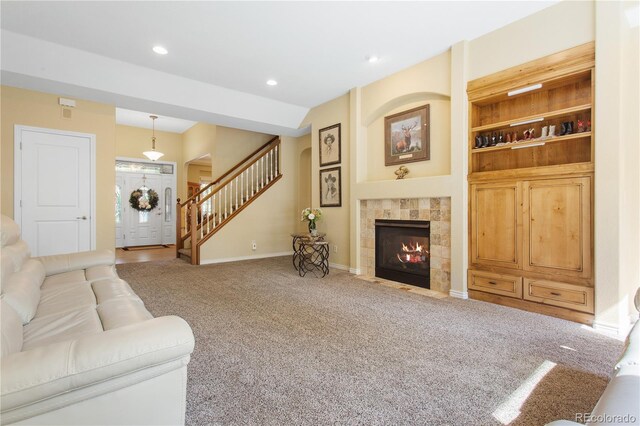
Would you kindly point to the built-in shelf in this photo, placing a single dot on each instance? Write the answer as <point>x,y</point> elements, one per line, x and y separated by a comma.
<point>531,201</point>
<point>532,118</point>
<point>532,143</point>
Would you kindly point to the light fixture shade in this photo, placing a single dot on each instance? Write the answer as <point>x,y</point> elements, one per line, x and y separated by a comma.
<point>153,155</point>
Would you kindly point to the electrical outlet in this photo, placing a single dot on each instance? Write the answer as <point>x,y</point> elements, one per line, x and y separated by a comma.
<point>254,246</point>
<point>335,248</point>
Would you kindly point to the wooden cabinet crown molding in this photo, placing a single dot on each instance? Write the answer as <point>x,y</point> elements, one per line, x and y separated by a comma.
<point>550,67</point>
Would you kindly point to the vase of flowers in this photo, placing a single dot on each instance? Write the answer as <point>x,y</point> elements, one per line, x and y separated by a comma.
<point>311,216</point>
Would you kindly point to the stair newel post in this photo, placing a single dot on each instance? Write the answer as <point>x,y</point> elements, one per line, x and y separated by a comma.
<point>194,232</point>
<point>277,158</point>
<point>178,216</point>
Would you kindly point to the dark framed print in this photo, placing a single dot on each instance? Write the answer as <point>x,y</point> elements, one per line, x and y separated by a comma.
<point>330,187</point>
<point>406,137</point>
<point>330,146</point>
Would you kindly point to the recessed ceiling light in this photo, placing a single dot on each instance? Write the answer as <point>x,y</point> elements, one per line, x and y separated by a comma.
<point>272,82</point>
<point>372,59</point>
<point>160,50</point>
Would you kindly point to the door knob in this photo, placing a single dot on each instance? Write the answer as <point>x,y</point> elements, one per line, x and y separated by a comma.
<point>82,217</point>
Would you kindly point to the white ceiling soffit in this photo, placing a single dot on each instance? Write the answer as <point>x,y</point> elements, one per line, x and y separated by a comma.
<point>222,53</point>
<point>127,117</point>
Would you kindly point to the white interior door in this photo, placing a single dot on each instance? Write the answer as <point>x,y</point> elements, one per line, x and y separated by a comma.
<point>54,189</point>
<point>143,227</point>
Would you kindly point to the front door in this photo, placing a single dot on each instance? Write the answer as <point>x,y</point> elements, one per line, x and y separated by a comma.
<point>54,189</point>
<point>144,227</point>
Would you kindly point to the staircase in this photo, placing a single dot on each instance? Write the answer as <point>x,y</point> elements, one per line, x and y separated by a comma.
<point>207,211</point>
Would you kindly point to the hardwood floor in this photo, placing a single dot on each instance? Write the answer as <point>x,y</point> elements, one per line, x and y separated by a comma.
<point>145,254</point>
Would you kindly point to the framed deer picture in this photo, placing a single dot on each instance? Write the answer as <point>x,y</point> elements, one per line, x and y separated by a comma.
<point>406,137</point>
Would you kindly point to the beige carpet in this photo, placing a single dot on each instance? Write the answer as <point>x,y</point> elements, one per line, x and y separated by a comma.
<point>274,348</point>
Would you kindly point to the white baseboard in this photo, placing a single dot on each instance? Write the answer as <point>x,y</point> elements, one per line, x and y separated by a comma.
<point>355,271</point>
<point>236,259</point>
<point>338,266</point>
<point>610,329</point>
<point>459,294</point>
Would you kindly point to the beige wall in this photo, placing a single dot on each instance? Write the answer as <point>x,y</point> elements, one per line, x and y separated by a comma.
<point>304,178</point>
<point>559,27</point>
<point>269,220</point>
<point>198,141</point>
<point>428,82</point>
<point>42,110</point>
<point>197,171</point>
<point>617,199</point>
<point>131,142</point>
<point>232,145</point>
<point>335,221</point>
<point>630,203</point>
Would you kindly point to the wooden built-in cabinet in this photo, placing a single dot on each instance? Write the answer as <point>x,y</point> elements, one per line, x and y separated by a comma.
<point>531,197</point>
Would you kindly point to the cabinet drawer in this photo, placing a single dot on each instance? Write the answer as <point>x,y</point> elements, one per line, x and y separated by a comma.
<point>565,295</point>
<point>505,285</point>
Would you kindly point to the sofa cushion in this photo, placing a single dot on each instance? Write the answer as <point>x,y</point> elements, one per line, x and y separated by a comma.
<point>65,298</point>
<point>6,268</point>
<point>60,327</point>
<point>101,272</point>
<point>106,290</point>
<point>631,354</point>
<point>22,290</point>
<point>121,312</point>
<point>620,398</point>
<point>9,231</point>
<point>18,253</point>
<point>64,279</point>
<point>11,329</point>
<point>60,263</point>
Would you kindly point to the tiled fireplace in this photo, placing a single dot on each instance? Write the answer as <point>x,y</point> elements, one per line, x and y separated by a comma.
<point>435,210</point>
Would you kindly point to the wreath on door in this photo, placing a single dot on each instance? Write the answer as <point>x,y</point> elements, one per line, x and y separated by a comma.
<point>143,199</point>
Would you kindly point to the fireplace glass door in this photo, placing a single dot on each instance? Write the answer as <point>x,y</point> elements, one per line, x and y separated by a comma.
<point>402,251</point>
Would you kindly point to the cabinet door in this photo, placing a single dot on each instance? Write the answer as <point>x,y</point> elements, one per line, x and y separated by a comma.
<point>496,224</point>
<point>557,226</point>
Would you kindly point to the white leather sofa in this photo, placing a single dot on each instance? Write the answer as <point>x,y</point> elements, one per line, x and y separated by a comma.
<point>620,402</point>
<point>79,347</point>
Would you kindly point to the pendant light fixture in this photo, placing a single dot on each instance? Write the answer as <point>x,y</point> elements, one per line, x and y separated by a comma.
<point>153,155</point>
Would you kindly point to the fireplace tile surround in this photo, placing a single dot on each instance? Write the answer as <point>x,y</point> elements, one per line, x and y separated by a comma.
<point>435,209</point>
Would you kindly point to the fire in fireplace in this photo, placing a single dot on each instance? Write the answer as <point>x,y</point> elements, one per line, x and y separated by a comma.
<point>402,251</point>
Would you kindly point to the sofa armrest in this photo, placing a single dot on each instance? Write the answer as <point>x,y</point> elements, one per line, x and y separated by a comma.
<point>59,263</point>
<point>47,371</point>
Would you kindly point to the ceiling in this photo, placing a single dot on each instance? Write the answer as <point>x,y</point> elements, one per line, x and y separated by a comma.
<point>222,53</point>
<point>132,118</point>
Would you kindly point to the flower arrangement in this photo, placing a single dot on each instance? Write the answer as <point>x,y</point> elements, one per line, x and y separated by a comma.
<point>144,200</point>
<point>312,216</point>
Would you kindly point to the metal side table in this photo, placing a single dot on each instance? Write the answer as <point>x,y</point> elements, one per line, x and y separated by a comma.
<point>310,254</point>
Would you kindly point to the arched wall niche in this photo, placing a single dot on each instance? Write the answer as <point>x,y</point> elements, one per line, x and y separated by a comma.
<point>373,132</point>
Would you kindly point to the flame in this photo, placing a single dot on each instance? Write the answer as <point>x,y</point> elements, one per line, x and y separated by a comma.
<point>411,248</point>
<point>412,253</point>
